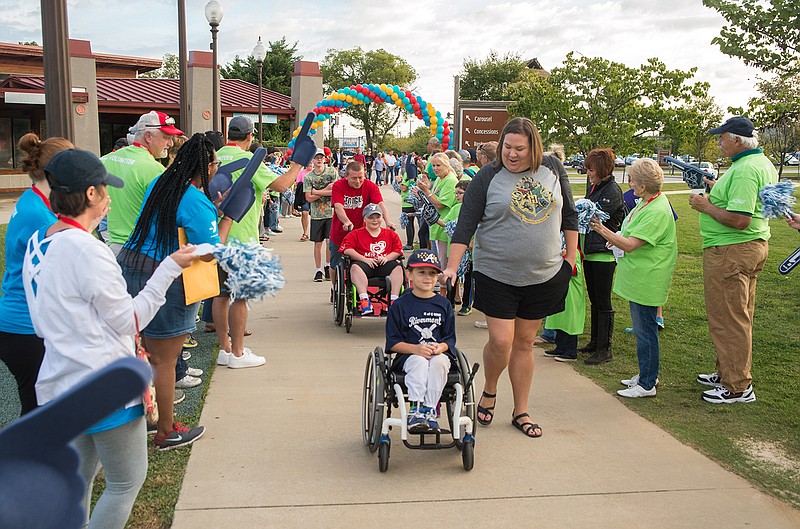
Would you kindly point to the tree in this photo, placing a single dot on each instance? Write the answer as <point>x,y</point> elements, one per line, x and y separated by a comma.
<point>763,33</point>
<point>591,102</point>
<point>490,79</point>
<point>276,75</point>
<point>341,68</point>
<point>777,116</point>
<point>689,126</point>
<point>170,69</point>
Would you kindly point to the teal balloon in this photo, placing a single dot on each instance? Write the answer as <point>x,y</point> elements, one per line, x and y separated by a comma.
<point>439,130</point>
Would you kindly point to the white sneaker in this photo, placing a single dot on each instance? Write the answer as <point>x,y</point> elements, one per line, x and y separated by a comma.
<point>224,356</point>
<point>633,381</point>
<point>277,229</point>
<point>186,354</point>
<point>636,392</point>
<point>248,359</point>
<point>481,324</point>
<point>712,380</point>
<point>188,381</point>
<point>271,233</point>
<point>194,372</point>
<point>721,395</point>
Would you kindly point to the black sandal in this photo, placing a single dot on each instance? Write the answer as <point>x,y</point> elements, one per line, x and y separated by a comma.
<point>526,427</point>
<point>486,411</point>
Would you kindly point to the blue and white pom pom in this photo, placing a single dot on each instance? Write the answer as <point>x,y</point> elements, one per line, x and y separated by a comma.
<point>412,198</point>
<point>278,169</point>
<point>253,272</point>
<point>288,196</point>
<point>404,220</point>
<point>462,266</point>
<point>588,210</point>
<point>396,186</point>
<point>777,200</point>
<point>450,228</point>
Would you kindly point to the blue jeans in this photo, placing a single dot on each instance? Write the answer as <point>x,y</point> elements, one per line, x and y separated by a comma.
<point>645,329</point>
<point>548,334</point>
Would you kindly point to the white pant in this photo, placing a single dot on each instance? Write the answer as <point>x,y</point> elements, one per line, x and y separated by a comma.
<point>425,379</point>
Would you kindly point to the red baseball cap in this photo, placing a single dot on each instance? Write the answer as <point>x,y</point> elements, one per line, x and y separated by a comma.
<point>161,121</point>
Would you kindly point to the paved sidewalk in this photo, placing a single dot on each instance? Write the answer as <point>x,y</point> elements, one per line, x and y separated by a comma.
<point>283,443</point>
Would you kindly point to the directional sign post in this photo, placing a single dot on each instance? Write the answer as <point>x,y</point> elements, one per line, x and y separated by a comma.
<point>481,125</point>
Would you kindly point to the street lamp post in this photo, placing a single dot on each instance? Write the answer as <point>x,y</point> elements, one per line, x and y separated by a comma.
<point>259,54</point>
<point>214,16</point>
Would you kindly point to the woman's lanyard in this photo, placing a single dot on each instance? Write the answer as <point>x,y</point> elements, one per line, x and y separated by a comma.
<point>46,200</point>
<point>635,210</point>
<point>72,222</point>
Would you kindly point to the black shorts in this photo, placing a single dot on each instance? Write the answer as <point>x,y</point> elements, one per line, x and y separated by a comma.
<point>531,302</point>
<point>379,271</point>
<point>320,229</point>
<point>223,276</point>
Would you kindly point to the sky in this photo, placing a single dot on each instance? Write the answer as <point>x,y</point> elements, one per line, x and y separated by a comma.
<point>434,36</point>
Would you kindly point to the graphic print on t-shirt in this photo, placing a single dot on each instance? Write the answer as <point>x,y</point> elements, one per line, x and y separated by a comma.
<point>531,202</point>
<point>425,326</point>
<point>353,202</point>
<point>377,248</point>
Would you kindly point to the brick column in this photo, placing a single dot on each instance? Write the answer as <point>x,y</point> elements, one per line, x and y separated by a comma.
<point>199,88</point>
<point>84,79</point>
<point>306,92</point>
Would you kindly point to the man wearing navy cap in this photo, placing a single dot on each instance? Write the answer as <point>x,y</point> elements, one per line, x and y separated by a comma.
<point>735,247</point>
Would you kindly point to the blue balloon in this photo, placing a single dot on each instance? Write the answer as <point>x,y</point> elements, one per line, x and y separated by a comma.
<point>312,131</point>
<point>439,129</point>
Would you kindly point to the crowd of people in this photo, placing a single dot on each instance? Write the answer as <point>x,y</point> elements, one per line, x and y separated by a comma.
<point>500,222</point>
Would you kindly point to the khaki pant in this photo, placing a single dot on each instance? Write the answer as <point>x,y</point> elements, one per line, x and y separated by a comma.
<point>729,274</point>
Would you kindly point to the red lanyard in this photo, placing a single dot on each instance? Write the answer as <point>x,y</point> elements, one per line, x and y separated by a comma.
<point>41,195</point>
<point>72,222</point>
<point>231,144</point>
<point>645,204</point>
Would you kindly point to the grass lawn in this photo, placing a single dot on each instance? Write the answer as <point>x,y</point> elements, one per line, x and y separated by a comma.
<point>759,441</point>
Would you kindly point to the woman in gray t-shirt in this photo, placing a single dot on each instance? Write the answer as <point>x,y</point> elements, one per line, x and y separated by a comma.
<point>516,208</point>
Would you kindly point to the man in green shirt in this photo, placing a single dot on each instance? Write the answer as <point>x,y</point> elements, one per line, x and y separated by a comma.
<point>137,165</point>
<point>232,351</point>
<point>735,247</point>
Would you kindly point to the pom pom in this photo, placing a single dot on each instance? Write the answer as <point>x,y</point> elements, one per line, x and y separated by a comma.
<point>277,169</point>
<point>412,198</point>
<point>288,196</point>
<point>404,220</point>
<point>450,228</point>
<point>588,210</point>
<point>253,272</point>
<point>462,266</point>
<point>396,186</point>
<point>777,200</point>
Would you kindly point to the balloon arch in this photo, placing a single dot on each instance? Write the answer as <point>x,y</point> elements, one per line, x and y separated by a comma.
<point>360,94</point>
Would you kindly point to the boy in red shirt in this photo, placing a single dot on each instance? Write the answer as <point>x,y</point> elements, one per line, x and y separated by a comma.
<point>374,252</point>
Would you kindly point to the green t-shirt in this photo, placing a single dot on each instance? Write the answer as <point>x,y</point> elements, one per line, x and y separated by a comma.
<point>445,190</point>
<point>137,167</point>
<point>573,318</point>
<point>644,275</point>
<point>737,190</point>
<point>246,230</point>
<point>320,208</point>
<point>404,194</point>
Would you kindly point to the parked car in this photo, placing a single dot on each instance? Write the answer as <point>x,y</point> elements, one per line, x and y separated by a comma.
<point>793,158</point>
<point>619,162</point>
<point>629,160</point>
<point>705,166</point>
<point>576,161</point>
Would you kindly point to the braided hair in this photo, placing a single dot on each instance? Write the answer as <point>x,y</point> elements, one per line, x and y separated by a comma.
<point>161,206</point>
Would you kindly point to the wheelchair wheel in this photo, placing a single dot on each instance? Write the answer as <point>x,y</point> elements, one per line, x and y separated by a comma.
<point>468,454</point>
<point>374,396</point>
<point>470,410</point>
<point>339,297</point>
<point>348,322</point>
<point>383,456</point>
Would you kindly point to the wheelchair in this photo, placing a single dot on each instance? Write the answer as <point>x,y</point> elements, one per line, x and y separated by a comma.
<point>345,297</point>
<point>385,391</point>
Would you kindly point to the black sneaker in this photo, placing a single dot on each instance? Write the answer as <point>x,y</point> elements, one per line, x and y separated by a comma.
<point>566,358</point>
<point>152,429</point>
<point>552,353</point>
<point>179,436</point>
<point>327,273</point>
<point>318,276</point>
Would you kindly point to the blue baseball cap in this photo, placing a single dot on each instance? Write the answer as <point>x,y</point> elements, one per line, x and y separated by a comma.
<point>74,170</point>
<point>739,125</point>
<point>424,257</point>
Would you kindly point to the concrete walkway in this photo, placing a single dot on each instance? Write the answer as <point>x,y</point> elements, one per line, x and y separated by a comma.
<point>283,446</point>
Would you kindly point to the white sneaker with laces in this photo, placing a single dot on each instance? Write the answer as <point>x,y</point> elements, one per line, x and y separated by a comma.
<point>188,381</point>
<point>481,324</point>
<point>712,380</point>
<point>186,354</point>
<point>248,359</point>
<point>194,371</point>
<point>721,395</point>
<point>223,357</point>
<point>637,391</point>
<point>633,381</point>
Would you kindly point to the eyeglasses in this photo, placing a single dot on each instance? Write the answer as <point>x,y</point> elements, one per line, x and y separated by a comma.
<point>214,163</point>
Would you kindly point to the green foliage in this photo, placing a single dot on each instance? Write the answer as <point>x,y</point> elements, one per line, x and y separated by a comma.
<point>763,33</point>
<point>277,69</point>
<point>491,78</point>
<point>29,43</point>
<point>170,69</point>
<point>342,68</point>
<point>688,128</point>
<point>591,102</point>
<point>415,142</point>
<point>776,113</point>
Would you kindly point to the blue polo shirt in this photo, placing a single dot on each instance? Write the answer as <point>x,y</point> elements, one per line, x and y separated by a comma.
<point>30,214</point>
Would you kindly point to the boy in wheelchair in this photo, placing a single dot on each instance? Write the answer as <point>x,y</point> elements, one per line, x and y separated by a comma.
<point>374,252</point>
<point>421,330</point>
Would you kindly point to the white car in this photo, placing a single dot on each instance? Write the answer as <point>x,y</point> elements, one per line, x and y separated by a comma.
<point>705,166</point>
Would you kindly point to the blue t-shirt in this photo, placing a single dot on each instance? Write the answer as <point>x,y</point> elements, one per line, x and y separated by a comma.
<point>196,214</point>
<point>420,320</point>
<point>30,214</point>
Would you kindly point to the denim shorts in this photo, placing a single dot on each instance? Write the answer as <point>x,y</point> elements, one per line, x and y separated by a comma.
<point>336,255</point>
<point>174,318</point>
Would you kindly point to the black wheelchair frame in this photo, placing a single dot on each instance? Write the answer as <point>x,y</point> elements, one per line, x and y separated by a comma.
<point>345,300</point>
<point>384,390</point>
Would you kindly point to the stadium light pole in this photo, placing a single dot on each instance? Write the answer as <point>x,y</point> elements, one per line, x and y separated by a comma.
<point>213,12</point>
